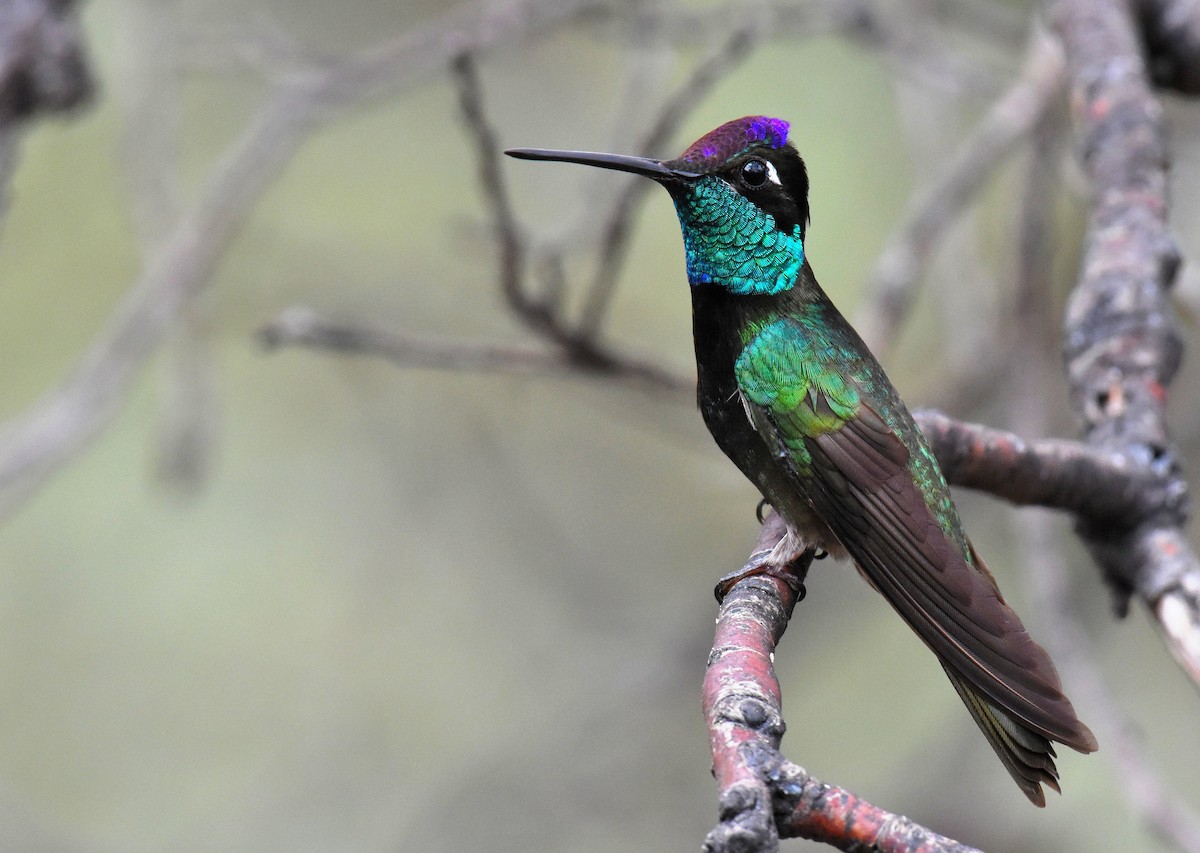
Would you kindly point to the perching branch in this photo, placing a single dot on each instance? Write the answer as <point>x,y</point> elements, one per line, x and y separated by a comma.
<point>762,797</point>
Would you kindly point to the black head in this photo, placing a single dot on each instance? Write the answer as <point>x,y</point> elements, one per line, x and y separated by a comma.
<point>733,188</point>
<point>751,154</point>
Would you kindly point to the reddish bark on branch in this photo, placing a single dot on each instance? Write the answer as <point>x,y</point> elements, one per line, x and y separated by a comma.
<point>835,816</point>
<point>741,699</point>
<point>763,797</point>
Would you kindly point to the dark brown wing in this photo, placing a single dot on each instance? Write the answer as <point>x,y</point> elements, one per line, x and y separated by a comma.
<point>862,486</point>
<point>858,480</point>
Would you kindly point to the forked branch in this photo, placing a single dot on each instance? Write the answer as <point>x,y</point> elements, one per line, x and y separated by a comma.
<point>762,796</point>
<point>1120,343</point>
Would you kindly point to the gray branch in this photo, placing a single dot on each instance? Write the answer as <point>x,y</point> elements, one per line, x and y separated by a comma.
<point>1121,347</point>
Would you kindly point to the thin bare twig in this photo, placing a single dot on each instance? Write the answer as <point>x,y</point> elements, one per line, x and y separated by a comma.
<point>149,93</point>
<point>541,315</point>
<point>876,24</point>
<point>299,326</point>
<point>892,286</point>
<point>495,192</point>
<point>614,244</point>
<point>38,441</point>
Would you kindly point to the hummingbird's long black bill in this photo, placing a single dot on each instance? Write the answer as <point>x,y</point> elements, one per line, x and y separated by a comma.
<point>619,162</point>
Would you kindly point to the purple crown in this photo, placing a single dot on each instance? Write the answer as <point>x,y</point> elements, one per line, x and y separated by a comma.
<point>731,139</point>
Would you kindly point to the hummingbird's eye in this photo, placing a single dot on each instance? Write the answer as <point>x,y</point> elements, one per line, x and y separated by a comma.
<point>755,173</point>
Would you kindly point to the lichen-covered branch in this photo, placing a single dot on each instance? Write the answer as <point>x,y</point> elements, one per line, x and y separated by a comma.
<point>1121,347</point>
<point>1104,487</point>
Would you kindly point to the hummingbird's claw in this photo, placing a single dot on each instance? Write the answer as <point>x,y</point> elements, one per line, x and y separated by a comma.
<point>767,563</point>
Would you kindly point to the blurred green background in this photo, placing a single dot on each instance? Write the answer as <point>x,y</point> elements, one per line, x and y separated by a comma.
<point>412,610</point>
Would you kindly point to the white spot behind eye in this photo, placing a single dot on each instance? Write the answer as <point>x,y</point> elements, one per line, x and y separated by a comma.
<point>772,175</point>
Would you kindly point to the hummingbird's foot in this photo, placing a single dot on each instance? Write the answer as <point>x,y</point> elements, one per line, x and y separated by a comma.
<point>778,562</point>
<point>756,568</point>
<point>759,510</point>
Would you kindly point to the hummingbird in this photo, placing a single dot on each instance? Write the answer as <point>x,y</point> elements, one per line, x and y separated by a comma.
<point>793,396</point>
